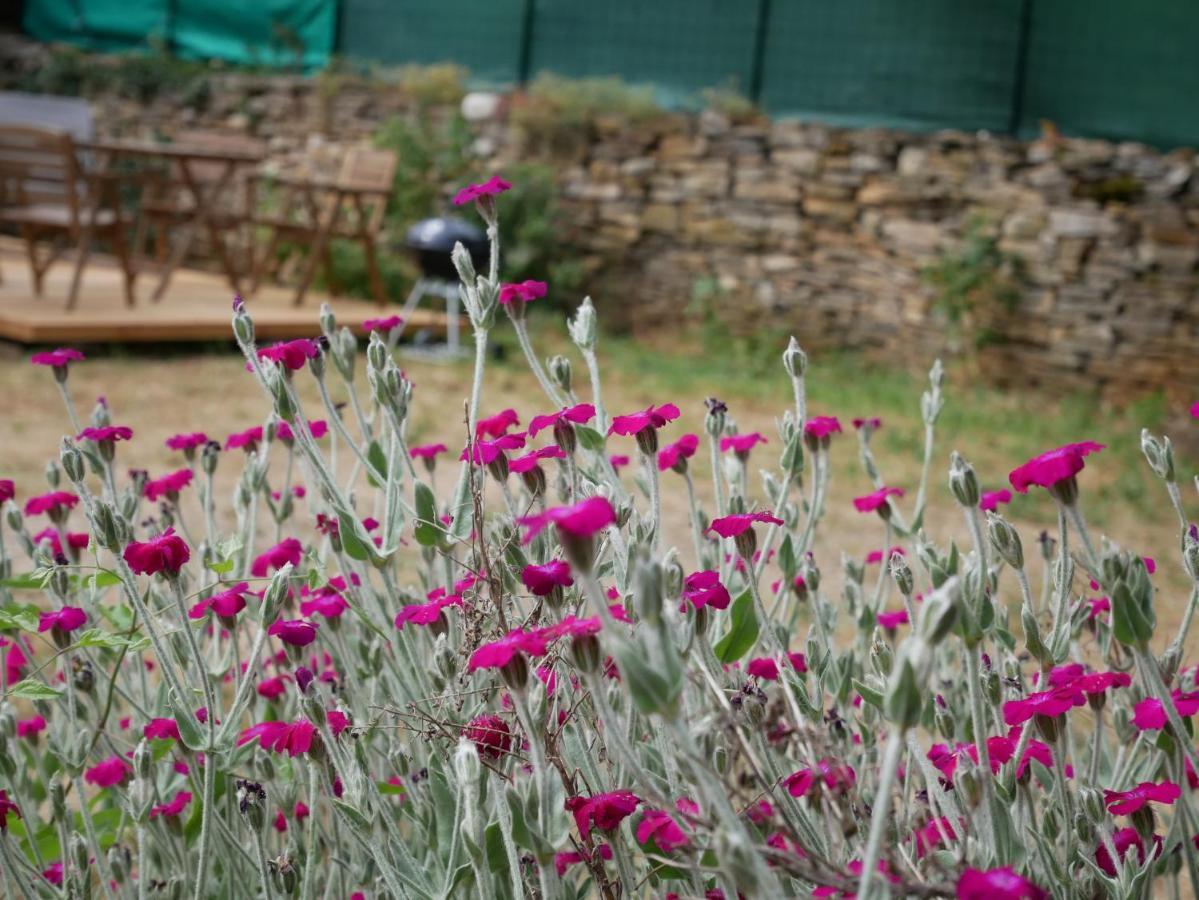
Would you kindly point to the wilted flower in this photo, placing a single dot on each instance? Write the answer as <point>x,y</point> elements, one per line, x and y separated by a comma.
<point>490,735</point>
<point>603,811</point>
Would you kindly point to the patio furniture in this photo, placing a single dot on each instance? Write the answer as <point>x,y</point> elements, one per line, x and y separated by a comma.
<point>204,174</point>
<point>46,194</point>
<point>313,211</point>
<point>168,202</point>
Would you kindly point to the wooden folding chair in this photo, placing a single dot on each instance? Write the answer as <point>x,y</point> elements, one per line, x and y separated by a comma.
<point>45,193</point>
<point>313,212</point>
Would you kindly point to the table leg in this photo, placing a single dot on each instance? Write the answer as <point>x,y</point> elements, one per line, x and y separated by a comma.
<point>324,229</point>
<point>88,231</point>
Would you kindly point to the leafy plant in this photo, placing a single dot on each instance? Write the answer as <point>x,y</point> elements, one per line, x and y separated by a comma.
<point>976,281</point>
<point>555,115</point>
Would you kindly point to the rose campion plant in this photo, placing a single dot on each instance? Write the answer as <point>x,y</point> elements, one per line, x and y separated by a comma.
<point>514,680</point>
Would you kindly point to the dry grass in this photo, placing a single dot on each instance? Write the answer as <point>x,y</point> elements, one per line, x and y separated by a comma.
<point>161,395</point>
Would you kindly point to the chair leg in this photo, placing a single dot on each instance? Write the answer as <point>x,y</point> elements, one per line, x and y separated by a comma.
<point>85,250</point>
<point>27,234</point>
<point>122,249</point>
<point>330,276</point>
<point>372,268</point>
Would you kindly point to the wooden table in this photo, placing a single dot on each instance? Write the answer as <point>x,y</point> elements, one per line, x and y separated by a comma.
<point>203,192</point>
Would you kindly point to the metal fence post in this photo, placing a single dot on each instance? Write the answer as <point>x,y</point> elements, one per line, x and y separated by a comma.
<point>758,61</point>
<point>525,60</point>
<point>1020,75</point>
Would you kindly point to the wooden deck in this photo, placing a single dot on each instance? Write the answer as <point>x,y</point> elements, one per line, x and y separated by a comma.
<point>197,307</point>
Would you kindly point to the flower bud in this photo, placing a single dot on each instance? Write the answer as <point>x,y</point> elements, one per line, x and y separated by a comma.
<point>560,372</point>
<point>467,766</point>
<point>810,573</point>
<point>273,597</point>
<point>1005,540</point>
<point>251,802</point>
<point>648,590</point>
<point>118,863</point>
<point>72,460</point>
<point>583,326</point>
<point>58,800</point>
<point>243,327</point>
<point>328,321</point>
<point>963,482</point>
<point>1190,553</point>
<point>902,573</point>
<point>78,848</point>
<point>1159,454</point>
<point>465,265</point>
<point>795,361</point>
<point>714,421</point>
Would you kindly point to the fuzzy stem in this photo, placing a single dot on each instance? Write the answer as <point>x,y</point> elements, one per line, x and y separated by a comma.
<point>881,813</point>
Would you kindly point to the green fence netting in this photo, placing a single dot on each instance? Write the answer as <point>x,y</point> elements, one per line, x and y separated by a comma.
<point>1115,69</point>
<point>1107,68</point>
<point>485,36</point>
<point>296,33</point>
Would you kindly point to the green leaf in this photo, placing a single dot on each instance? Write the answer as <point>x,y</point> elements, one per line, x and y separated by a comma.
<point>22,618</point>
<point>94,637</point>
<point>386,787</point>
<point>787,559</point>
<point>102,579</point>
<point>426,529</point>
<point>590,438</point>
<point>742,633</point>
<point>29,689</point>
<point>355,540</point>
<point>497,857</point>
<point>29,581</point>
<point>869,694</point>
<point>224,567</point>
<point>378,459</point>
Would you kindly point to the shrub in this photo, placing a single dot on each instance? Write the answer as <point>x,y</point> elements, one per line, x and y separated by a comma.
<point>556,114</point>
<point>524,686</point>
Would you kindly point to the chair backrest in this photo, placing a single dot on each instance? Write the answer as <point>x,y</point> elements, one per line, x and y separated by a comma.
<point>38,165</point>
<point>368,169</point>
<point>69,114</point>
<point>217,142</point>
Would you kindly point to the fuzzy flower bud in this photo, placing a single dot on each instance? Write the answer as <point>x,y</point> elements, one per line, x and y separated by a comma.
<point>902,573</point>
<point>1159,454</point>
<point>1005,540</point>
<point>465,265</point>
<point>583,326</point>
<point>963,483</point>
<point>795,361</point>
<point>72,460</point>
<point>560,372</point>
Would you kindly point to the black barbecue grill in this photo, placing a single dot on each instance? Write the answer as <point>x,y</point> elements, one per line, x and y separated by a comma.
<point>432,242</point>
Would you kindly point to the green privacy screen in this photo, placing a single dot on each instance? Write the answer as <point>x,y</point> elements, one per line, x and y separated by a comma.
<point>1115,68</point>
<point>261,32</point>
<point>1107,68</point>
<point>485,36</point>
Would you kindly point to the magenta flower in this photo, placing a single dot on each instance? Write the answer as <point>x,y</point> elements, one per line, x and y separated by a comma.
<point>291,738</point>
<point>819,427</point>
<point>52,503</point>
<point>8,490</point>
<point>871,422</point>
<point>763,667</point>
<point>529,461</point>
<point>670,456</point>
<point>876,556</point>
<point>62,621</point>
<point>161,729</point>
<point>490,734</point>
<point>226,604</point>
<point>427,613</point>
<point>1124,840</point>
<point>741,444</point>
<point>541,580</point>
<point>494,426</point>
<point>31,727</point>
<point>272,688</point>
<point>602,811</point>
<point>577,414</point>
<point>383,324</point>
<point>876,500</point>
<point>997,884</point>
<point>7,808</point>
<point>60,358</point>
<point>428,451</point>
<point>108,772</point>
<point>650,417</point>
<point>327,603</point>
<point>486,452</point>
<point>618,461</point>
<point>498,654</point>
<point>892,620</point>
<point>245,440</point>
<point>704,589</point>
<point>1051,704</point>
<point>660,827</point>
<point>167,485</point>
<point>318,428</point>
<point>174,808</point>
<point>798,662</point>
<point>583,519</point>
<point>563,861</point>
<point>296,632</point>
<point>165,553</point>
<point>106,434</point>
<point>989,502</point>
<point>290,354</point>
<point>1049,468</point>
<point>1125,803</point>
<point>187,441</point>
<point>731,526</point>
<point>1150,713</point>
<point>286,551</point>
<point>523,291</point>
<point>492,187</point>
<point>930,836</point>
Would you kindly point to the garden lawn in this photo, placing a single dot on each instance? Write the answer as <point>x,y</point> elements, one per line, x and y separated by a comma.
<point>161,395</point>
